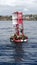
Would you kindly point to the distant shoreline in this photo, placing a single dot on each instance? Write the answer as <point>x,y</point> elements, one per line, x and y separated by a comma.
<point>25,17</point>
<point>5,18</point>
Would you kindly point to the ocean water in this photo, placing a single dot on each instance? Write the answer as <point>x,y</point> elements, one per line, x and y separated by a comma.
<point>22,53</point>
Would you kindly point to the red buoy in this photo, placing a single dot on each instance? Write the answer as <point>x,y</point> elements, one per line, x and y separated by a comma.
<point>19,29</point>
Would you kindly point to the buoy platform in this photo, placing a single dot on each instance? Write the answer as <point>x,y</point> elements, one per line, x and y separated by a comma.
<point>19,39</point>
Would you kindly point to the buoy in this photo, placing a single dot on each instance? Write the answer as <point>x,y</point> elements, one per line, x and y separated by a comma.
<point>19,29</point>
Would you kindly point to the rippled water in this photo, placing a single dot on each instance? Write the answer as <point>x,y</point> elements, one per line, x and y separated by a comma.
<point>22,53</point>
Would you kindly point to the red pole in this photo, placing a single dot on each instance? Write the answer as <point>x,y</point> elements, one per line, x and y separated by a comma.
<point>19,21</point>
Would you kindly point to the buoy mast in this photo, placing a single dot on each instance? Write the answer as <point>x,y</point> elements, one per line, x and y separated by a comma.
<point>19,24</point>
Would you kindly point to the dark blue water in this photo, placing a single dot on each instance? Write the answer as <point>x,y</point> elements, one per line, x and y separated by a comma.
<point>22,53</point>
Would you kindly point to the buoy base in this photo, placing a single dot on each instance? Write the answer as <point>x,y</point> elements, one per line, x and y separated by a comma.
<point>19,39</point>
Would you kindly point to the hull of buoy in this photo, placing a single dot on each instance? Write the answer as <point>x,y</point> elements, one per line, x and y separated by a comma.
<point>21,38</point>
<point>18,41</point>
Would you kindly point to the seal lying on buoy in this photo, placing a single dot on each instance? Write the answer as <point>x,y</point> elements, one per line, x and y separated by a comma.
<point>21,38</point>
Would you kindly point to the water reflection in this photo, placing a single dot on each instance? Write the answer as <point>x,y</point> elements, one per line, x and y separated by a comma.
<point>19,53</point>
